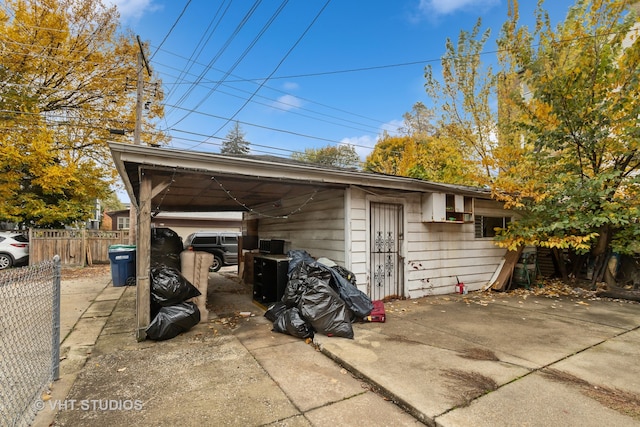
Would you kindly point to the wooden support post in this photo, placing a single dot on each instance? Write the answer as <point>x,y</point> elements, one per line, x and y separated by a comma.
<point>143,259</point>
<point>83,249</point>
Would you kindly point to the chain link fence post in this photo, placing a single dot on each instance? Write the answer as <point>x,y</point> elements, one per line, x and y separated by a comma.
<point>55,341</point>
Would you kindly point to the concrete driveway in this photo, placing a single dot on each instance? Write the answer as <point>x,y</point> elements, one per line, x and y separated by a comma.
<point>488,359</point>
<point>479,359</point>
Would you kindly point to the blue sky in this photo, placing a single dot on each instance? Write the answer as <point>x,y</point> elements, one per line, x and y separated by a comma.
<point>310,74</point>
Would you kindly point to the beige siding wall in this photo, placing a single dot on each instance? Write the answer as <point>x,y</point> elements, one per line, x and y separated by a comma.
<point>319,227</point>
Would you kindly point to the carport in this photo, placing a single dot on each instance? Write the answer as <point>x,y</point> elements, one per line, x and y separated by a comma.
<point>158,179</point>
<point>161,179</point>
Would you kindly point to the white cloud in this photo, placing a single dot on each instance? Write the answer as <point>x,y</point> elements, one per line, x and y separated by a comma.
<point>445,7</point>
<point>365,144</point>
<point>287,102</point>
<point>291,86</point>
<point>133,9</point>
<point>362,144</point>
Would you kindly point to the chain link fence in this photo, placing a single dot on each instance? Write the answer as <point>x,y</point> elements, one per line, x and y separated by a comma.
<point>29,339</point>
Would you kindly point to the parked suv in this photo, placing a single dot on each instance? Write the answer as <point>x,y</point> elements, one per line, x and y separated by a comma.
<point>14,249</point>
<point>223,246</point>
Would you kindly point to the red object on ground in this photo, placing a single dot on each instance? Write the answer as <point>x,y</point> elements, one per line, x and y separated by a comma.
<point>377,314</point>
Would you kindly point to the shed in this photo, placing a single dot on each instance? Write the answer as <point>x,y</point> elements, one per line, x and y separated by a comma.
<point>401,237</point>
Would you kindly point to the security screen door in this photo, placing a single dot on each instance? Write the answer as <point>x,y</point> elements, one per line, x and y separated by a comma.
<point>385,260</point>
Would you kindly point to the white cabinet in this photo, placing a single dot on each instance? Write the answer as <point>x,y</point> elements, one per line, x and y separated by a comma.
<point>443,207</point>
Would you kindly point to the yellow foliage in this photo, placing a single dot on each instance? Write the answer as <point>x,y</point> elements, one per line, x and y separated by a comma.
<point>68,76</point>
<point>425,157</point>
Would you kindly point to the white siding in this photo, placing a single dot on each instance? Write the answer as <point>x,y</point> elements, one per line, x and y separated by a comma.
<point>438,254</point>
<point>435,254</point>
<point>318,228</point>
<point>359,232</point>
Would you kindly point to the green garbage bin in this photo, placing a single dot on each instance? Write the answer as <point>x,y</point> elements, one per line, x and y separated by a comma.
<point>123,264</point>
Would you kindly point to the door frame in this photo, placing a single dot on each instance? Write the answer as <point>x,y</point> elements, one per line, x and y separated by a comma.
<point>402,246</point>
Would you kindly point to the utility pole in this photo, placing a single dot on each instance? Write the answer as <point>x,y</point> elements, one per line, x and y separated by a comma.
<point>133,212</point>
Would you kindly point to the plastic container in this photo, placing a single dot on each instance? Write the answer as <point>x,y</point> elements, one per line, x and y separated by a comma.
<point>123,264</point>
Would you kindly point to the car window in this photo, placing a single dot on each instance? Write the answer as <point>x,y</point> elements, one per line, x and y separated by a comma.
<point>206,240</point>
<point>21,238</point>
<point>2,239</point>
<point>230,240</point>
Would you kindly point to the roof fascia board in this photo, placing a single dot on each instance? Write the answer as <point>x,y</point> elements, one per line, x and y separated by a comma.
<point>154,157</point>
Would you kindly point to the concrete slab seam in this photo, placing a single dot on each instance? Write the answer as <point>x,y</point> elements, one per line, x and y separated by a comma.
<point>379,389</point>
<point>82,314</point>
<point>542,369</point>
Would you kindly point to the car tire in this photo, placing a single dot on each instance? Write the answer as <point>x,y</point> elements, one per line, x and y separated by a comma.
<point>217,264</point>
<point>5,261</point>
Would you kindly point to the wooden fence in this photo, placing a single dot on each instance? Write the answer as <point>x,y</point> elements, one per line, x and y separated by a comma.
<point>76,248</point>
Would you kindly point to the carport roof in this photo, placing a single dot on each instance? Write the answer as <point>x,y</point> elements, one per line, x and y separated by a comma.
<point>191,181</point>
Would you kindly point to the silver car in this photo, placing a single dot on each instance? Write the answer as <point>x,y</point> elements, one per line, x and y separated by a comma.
<point>14,249</point>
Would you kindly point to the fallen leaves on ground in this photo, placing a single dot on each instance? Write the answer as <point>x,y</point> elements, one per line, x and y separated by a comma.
<point>85,272</point>
<point>553,288</point>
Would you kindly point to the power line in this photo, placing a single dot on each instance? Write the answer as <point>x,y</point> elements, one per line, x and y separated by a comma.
<point>225,45</point>
<point>202,41</point>
<point>279,64</point>
<point>184,9</point>
<point>379,122</point>
<point>243,55</point>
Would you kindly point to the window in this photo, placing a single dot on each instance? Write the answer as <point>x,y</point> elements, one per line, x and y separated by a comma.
<point>206,240</point>
<point>123,223</point>
<point>230,240</point>
<point>486,225</point>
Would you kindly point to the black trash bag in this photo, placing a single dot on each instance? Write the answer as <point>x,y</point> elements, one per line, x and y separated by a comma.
<point>298,282</point>
<point>166,246</point>
<point>291,322</point>
<point>173,320</point>
<point>345,273</point>
<point>302,265</point>
<point>322,307</point>
<point>169,287</point>
<point>275,310</point>
<point>292,292</point>
<point>357,301</point>
<point>297,257</point>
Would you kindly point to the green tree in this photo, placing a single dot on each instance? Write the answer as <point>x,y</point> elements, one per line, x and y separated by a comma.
<point>579,112</point>
<point>234,142</point>
<point>418,121</point>
<point>423,152</point>
<point>463,99</point>
<point>67,76</point>
<point>341,155</point>
<point>562,148</point>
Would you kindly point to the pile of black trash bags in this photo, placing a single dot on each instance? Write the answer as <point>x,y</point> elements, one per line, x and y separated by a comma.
<point>171,313</point>
<point>318,299</point>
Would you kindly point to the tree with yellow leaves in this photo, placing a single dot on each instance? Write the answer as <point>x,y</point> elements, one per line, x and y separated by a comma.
<point>68,77</point>
<point>422,152</point>
<point>563,147</point>
<point>577,113</point>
